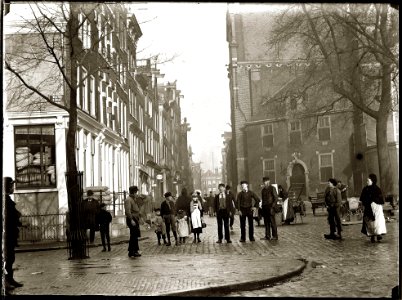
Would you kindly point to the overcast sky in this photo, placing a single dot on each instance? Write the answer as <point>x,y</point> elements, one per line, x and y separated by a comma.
<point>196,33</point>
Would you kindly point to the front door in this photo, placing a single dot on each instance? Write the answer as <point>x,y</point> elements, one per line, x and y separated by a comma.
<point>298,177</point>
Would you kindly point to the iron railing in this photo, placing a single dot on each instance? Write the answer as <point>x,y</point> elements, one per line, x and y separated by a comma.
<point>43,227</point>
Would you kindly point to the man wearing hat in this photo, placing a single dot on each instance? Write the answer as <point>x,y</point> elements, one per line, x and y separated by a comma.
<point>246,207</point>
<point>333,201</point>
<point>12,222</point>
<point>269,202</point>
<point>132,211</point>
<point>168,213</point>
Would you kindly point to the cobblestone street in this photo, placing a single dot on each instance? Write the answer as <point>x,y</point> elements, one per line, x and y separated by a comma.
<point>353,267</point>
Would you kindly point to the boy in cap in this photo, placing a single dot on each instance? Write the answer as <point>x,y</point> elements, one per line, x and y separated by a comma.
<point>104,219</point>
<point>333,201</point>
<point>168,213</point>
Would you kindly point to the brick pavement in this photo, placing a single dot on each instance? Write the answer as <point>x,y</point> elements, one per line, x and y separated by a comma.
<point>357,267</point>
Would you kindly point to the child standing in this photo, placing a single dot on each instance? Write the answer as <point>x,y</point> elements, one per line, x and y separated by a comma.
<point>182,226</point>
<point>104,219</point>
<point>160,227</point>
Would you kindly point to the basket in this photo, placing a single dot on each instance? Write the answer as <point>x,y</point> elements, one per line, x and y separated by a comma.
<point>353,203</point>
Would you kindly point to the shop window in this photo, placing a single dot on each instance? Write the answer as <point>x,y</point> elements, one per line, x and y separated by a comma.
<point>35,163</point>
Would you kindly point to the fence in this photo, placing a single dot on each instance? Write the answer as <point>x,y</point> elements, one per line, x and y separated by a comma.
<point>43,227</point>
<point>52,227</point>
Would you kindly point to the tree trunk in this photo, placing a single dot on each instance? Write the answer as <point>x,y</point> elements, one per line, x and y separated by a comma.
<point>78,240</point>
<point>384,161</point>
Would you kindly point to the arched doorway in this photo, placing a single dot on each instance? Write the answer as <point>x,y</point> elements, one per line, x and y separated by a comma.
<point>297,172</point>
<point>298,176</point>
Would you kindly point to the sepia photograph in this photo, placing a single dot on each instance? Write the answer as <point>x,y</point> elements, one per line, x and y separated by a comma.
<point>200,149</point>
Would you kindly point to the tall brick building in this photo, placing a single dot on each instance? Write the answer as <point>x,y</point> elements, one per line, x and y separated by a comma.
<point>278,129</point>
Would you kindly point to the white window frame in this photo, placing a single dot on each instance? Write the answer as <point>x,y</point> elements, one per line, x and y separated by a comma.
<point>324,122</point>
<point>264,133</point>
<point>268,172</point>
<point>295,130</point>
<point>84,89</point>
<point>91,89</point>
<point>320,165</point>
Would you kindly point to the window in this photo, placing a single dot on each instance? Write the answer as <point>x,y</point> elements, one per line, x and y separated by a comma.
<point>324,128</point>
<point>91,87</point>
<point>35,163</point>
<point>267,136</point>
<point>295,133</point>
<point>84,31</point>
<point>269,169</point>
<point>325,167</point>
<point>79,104</point>
<point>84,79</point>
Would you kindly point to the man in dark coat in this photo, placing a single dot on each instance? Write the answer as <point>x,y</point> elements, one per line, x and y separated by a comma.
<point>132,212</point>
<point>91,210</point>
<point>168,213</point>
<point>12,222</point>
<point>223,205</point>
<point>333,201</point>
<point>269,198</point>
<point>246,207</point>
<point>232,215</point>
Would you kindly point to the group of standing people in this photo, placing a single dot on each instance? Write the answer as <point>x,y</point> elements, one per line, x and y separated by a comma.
<point>373,216</point>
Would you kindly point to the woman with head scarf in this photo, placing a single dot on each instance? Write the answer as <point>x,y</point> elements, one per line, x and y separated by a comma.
<point>373,216</point>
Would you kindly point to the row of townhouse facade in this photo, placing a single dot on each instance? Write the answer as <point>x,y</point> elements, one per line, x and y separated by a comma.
<point>283,139</point>
<point>129,129</point>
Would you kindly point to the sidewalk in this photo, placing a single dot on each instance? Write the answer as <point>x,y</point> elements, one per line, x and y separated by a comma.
<point>185,270</point>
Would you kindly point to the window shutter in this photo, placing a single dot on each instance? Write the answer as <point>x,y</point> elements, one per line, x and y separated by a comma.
<point>295,138</point>
<point>268,141</point>
<point>324,134</point>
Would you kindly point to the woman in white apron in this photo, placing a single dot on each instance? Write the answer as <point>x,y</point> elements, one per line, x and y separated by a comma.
<point>196,214</point>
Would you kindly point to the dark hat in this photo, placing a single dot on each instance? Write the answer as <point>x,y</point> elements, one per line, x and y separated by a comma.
<point>333,181</point>
<point>373,178</point>
<point>284,194</point>
<point>221,184</point>
<point>266,178</point>
<point>133,189</point>
<point>243,181</point>
<point>8,181</point>
<point>157,209</point>
<point>168,194</point>
<point>228,187</point>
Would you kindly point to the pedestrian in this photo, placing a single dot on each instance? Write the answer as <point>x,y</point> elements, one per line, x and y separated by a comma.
<point>232,215</point>
<point>104,219</point>
<point>373,216</point>
<point>247,202</point>
<point>196,217</point>
<point>288,214</point>
<point>183,203</point>
<point>333,201</point>
<point>345,204</point>
<point>223,207</point>
<point>132,211</point>
<point>182,226</point>
<point>168,213</point>
<point>91,210</point>
<point>211,199</point>
<point>203,201</point>
<point>11,232</point>
<point>160,227</point>
<point>269,202</point>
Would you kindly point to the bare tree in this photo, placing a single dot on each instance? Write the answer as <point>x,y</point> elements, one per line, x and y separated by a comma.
<point>357,47</point>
